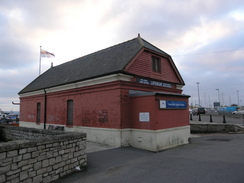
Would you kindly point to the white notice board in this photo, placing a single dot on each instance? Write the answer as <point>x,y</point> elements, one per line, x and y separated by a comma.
<point>144,116</point>
<point>162,104</point>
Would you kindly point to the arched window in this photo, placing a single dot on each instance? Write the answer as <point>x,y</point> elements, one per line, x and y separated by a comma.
<point>38,113</point>
<point>70,112</point>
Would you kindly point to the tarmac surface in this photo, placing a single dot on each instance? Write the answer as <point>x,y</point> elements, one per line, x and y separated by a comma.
<point>216,158</point>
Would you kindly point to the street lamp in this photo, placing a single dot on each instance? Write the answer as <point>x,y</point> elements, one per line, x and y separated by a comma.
<point>218,95</point>
<point>198,94</point>
<point>238,97</point>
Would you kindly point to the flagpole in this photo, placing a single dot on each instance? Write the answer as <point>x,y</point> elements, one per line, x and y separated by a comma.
<point>40,61</point>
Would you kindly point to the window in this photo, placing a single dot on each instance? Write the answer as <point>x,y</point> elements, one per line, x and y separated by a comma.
<point>156,64</point>
<point>70,112</point>
<point>38,113</point>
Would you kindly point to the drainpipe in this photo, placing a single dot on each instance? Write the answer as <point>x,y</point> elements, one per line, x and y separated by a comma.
<point>45,108</point>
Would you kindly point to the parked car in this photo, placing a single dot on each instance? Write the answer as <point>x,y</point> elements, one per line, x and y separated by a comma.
<point>200,110</point>
<point>238,112</point>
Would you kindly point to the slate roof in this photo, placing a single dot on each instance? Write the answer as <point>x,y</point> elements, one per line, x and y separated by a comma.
<point>107,61</point>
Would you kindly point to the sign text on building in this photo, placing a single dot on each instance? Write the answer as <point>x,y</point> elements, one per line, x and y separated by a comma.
<point>169,104</point>
<point>155,83</point>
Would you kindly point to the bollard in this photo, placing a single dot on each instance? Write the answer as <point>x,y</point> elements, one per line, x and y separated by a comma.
<point>243,119</point>
<point>199,119</point>
<point>224,119</point>
<point>191,117</point>
<point>211,118</point>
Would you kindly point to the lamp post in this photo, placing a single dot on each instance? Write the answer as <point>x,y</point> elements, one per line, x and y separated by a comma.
<point>218,95</point>
<point>238,97</point>
<point>198,94</point>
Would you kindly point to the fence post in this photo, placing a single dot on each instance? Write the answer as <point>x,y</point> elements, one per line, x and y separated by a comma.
<point>242,119</point>
<point>211,118</point>
<point>191,117</point>
<point>199,119</point>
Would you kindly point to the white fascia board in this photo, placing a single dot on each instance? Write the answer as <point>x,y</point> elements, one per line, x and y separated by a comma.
<point>179,86</point>
<point>89,82</point>
<point>38,92</point>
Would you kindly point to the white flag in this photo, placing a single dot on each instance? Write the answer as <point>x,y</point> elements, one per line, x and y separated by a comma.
<point>46,54</point>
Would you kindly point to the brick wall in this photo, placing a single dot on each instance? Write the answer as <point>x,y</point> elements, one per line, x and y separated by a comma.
<point>142,66</point>
<point>159,118</point>
<point>38,155</point>
<point>103,98</point>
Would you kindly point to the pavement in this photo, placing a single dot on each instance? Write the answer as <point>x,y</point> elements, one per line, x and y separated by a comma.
<point>217,158</point>
<point>94,147</point>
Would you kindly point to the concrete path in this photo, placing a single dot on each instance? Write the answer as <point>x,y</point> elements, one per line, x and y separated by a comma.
<point>217,158</point>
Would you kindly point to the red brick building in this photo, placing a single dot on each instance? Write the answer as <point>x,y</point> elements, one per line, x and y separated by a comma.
<point>127,94</point>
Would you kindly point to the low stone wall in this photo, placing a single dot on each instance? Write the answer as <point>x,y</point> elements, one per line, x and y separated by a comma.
<point>215,128</point>
<point>10,133</point>
<point>37,155</point>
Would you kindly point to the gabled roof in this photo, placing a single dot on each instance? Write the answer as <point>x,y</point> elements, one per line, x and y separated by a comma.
<point>107,61</point>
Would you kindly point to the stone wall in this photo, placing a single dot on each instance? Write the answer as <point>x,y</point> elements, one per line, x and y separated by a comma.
<point>10,133</point>
<point>37,155</point>
<point>215,128</point>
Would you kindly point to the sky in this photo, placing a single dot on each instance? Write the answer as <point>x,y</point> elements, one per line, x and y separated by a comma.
<point>204,38</point>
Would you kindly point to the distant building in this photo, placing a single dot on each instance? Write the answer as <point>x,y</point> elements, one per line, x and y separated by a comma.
<point>129,94</point>
<point>216,105</point>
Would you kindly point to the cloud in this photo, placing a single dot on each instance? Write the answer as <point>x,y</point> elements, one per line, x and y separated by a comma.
<point>73,28</point>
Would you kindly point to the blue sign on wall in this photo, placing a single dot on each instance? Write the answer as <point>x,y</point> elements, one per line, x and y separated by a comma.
<point>169,104</point>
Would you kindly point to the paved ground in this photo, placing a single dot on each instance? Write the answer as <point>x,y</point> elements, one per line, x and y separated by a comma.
<point>94,147</point>
<point>217,158</point>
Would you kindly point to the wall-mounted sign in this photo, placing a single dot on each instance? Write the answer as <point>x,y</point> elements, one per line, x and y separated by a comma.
<point>169,104</point>
<point>144,116</point>
<point>155,83</point>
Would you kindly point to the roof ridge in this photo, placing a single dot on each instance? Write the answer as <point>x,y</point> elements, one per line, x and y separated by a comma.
<point>157,49</point>
<point>140,40</point>
<point>89,54</point>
